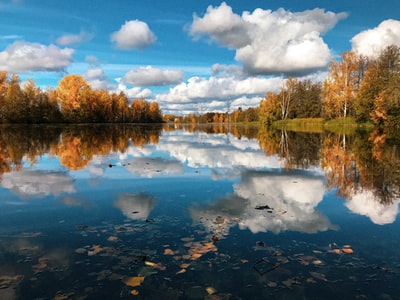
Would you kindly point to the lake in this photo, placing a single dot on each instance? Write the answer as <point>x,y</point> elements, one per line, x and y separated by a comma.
<point>197,212</point>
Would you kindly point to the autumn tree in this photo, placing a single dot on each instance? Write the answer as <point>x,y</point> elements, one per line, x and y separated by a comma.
<point>379,88</point>
<point>341,86</point>
<point>286,97</point>
<point>270,109</point>
<point>16,106</point>
<point>72,92</point>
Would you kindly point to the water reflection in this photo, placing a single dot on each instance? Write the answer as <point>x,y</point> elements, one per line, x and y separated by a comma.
<point>135,207</point>
<point>239,212</point>
<point>361,167</point>
<point>32,184</point>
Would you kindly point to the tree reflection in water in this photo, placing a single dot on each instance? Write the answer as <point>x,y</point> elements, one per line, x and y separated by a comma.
<point>354,164</point>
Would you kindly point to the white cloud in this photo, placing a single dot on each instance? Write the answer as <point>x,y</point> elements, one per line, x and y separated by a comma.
<point>98,80</point>
<point>38,183</point>
<point>217,93</point>
<point>365,204</point>
<point>149,76</point>
<point>151,167</point>
<point>268,42</point>
<point>133,35</point>
<point>371,42</point>
<point>23,56</point>
<point>71,39</point>
<point>134,92</point>
<point>292,197</point>
<point>135,207</point>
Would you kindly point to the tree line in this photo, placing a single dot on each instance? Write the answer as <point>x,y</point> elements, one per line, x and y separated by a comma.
<point>72,101</point>
<point>365,89</point>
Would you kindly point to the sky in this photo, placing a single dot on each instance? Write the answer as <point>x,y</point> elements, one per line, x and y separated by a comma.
<point>190,56</point>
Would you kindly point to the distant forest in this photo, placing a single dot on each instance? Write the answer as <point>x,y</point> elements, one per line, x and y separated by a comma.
<point>72,101</point>
<point>365,89</point>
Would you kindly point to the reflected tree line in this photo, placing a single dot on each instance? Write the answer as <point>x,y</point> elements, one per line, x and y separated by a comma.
<point>352,162</point>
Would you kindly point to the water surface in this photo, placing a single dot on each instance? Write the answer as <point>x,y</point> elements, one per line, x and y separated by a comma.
<point>110,212</point>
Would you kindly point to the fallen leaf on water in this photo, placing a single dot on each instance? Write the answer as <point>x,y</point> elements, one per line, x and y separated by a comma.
<point>169,252</point>
<point>185,266</point>
<point>336,251</point>
<point>244,261</point>
<point>195,256</point>
<point>181,271</point>
<point>187,239</point>
<point>112,239</point>
<point>347,250</point>
<point>96,249</point>
<point>154,265</point>
<point>134,292</point>
<point>210,290</point>
<point>317,262</point>
<point>133,281</point>
<point>150,263</point>
<point>319,276</point>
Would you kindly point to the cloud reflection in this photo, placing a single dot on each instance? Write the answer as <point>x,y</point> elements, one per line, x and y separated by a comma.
<point>150,167</point>
<point>366,204</point>
<point>292,196</point>
<point>223,154</point>
<point>135,206</point>
<point>27,183</point>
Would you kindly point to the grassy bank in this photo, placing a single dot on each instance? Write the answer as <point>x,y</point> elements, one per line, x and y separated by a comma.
<point>342,125</point>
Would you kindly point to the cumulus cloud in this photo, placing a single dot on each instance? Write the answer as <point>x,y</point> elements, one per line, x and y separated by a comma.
<point>23,56</point>
<point>97,79</point>
<point>133,35</point>
<point>71,39</point>
<point>149,76</point>
<point>365,204</point>
<point>38,183</point>
<point>151,167</point>
<point>371,42</point>
<point>135,207</point>
<point>217,93</point>
<point>293,196</point>
<point>230,158</point>
<point>134,92</point>
<point>268,42</point>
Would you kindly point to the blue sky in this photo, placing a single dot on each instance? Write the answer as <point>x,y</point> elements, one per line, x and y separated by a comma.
<point>190,56</point>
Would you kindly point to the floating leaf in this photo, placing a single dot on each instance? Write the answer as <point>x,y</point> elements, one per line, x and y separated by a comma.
<point>185,266</point>
<point>336,251</point>
<point>317,262</point>
<point>134,292</point>
<point>319,276</point>
<point>181,271</point>
<point>195,256</point>
<point>169,252</point>
<point>150,263</point>
<point>347,250</point>
<point>210,290</point>
<point>96,249</point>
<point>133,281</point>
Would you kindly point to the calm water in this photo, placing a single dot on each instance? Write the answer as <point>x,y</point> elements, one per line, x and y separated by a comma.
<point>208,213</point>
